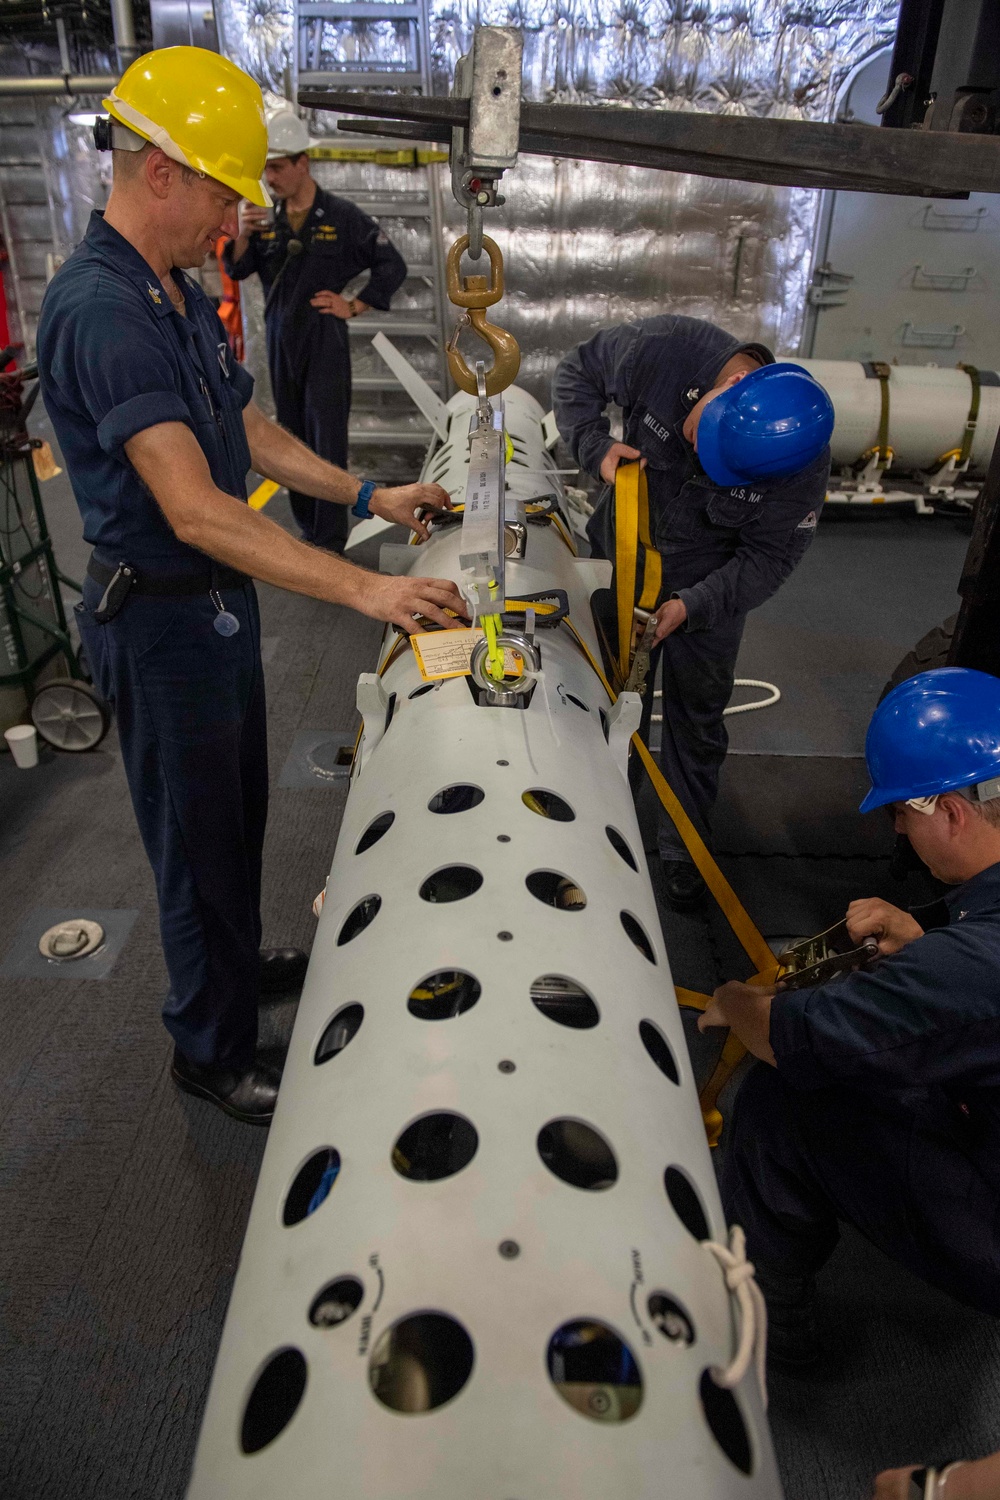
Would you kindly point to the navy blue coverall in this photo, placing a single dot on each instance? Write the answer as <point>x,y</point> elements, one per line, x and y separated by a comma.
<point>724,550</point>
<point>884,1110</point>
<point>115,358</point>
<point>308,351</point>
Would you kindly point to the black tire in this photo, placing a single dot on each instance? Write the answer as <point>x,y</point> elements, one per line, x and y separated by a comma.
<point>930,651</point>
<point>70,715</point>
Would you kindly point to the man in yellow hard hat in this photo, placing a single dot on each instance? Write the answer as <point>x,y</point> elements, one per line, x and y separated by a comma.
<point>158,432</point>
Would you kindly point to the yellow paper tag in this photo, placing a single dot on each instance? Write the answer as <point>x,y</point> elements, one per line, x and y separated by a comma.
<point>44,461</point>
<point>448,653</point>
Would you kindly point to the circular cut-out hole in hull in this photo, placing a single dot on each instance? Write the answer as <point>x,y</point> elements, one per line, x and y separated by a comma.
<point>578,1154</point>
<point>595,1371</point>
<point>435,1146</point>
<point>311,1185</point>
<point>620,847</point>
<point>659,1050</point>
<point>686,1202</point>
<point>336,1302</point>
<point>637,933</point>
<point>556,890</point>
<point>565,1002</point>
<point>340,1030</point>
<point>274,1399</point>
<point>358,918</point>
<point>439,997</point>
<point>726,1423</point>
<point>548,805</point>
<point>461,797</point>
<point>375,830</point>
<point>420,1362</point>
<point>453,883</point>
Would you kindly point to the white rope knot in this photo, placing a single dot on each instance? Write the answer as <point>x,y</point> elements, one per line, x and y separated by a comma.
<point>738,1273</point>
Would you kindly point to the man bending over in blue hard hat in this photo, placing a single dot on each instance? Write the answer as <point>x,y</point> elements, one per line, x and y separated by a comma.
<point>877,1099</point>
<point>735,452</point>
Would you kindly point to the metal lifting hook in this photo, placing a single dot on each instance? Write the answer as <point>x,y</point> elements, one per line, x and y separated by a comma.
<point>475,294</point>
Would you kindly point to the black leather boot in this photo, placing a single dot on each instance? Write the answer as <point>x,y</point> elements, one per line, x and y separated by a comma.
<point>685,890</point>
<point>248,1096</point>
<point>281,969</point>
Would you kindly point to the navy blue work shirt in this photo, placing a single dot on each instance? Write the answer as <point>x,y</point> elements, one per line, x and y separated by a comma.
<point>114,358</point>
<point>921,1026</point>
<point>725,549</point>
<point>339,242</point>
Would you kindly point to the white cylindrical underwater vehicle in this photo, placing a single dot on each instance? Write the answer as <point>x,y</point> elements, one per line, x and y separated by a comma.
<point>928,416</point>
<point>474,1267</point>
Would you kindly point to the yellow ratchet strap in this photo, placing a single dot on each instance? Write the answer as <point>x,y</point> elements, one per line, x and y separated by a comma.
<point>971,421</point>
<point>735,913</point>
<point>962,454</point>
<point>631,529</point>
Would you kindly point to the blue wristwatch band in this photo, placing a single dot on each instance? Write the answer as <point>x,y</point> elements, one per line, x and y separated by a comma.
<point>361,506</point>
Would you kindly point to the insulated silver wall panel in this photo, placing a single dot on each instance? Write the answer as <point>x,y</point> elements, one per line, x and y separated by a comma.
<point>586,244</point>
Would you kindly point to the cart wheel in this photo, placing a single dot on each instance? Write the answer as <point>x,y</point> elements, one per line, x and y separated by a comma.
<point>69,714</point>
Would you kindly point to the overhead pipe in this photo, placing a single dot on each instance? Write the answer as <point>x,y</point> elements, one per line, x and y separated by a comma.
<point>123,24</point>
<point>126,47</point>
<point>69,84</point>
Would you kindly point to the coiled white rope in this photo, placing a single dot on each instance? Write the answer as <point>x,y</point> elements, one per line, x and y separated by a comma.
<point>739,708</point>
<point>745,708</point>
<point>752,1341</point>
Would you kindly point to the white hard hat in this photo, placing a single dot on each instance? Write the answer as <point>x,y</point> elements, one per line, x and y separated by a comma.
<point>286,134</point>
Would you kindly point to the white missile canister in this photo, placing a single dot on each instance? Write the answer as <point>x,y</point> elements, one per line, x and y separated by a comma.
<point>474,1267</point>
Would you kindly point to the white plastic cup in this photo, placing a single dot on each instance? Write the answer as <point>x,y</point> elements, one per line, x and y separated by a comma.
<point>22,740</point>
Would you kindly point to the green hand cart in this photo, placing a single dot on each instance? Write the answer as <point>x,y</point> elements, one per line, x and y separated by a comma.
<point>65,709</point>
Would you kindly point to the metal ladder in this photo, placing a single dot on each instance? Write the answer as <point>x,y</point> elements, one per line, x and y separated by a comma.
<point>311,51</point>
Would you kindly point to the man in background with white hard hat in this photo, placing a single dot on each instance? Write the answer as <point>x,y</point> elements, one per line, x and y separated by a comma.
<point>314,247</point>
<point>158,432</point>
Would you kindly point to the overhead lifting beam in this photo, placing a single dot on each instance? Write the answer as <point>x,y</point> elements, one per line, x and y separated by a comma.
<point>790,153</point>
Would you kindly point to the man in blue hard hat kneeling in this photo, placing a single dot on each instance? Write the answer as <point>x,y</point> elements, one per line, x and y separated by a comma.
<point>877,1097</point>
<point>736,457</point>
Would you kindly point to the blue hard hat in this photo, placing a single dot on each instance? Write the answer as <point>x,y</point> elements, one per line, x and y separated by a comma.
<point>935,732</point>
<point>773,422</point>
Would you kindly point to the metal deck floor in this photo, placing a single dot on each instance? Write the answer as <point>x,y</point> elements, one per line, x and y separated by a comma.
<point>123,1203</point>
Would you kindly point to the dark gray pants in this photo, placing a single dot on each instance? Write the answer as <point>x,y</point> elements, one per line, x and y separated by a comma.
<point>695,670</point>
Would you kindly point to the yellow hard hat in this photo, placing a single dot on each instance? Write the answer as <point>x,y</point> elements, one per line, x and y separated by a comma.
<point>201,110</point>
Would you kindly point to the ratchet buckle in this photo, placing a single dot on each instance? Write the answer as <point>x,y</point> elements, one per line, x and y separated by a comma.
<point>816,959</point>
